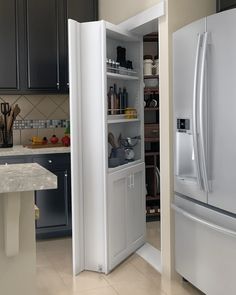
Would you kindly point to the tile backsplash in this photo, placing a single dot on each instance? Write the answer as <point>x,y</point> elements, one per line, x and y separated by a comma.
<point>41,115</point>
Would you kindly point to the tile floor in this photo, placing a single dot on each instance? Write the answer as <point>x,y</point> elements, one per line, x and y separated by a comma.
<point>154,234</point>
<point>134,276</point>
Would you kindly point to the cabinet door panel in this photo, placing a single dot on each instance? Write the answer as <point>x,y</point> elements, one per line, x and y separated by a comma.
<point>8,45</point>
<point>42,42</point>
<point>135,207</point>
<point>53,204</point>
<point>82,11</point>
<point>117,216</point>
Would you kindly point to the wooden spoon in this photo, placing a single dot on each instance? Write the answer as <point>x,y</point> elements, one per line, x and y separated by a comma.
<point>14,113</point>
<point>111,140</point>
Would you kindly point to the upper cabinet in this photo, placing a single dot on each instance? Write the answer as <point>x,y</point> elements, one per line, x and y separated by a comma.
<point>43,51</point>
<point>225,4</point>
<point>82,11</point>
<point>34,53</point>
<point>9,46</point>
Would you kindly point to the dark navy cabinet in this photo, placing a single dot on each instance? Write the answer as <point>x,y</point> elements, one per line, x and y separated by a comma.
<point>9,45</point>
<point>225,4</point>
<point>54,204</point>
<point>33,43</point>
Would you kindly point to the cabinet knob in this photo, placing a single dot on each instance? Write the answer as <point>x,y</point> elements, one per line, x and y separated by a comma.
<point>65,174</point>
<point>58,85</point>
<point>68,84</point>
<point>50,161</point>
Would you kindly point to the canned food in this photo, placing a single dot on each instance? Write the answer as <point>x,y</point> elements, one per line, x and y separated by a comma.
<point>130,113</point>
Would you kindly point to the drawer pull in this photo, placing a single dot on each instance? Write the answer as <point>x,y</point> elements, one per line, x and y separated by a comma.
<point>154,131</point>
<point>204,222</point>
<point>50,161</point>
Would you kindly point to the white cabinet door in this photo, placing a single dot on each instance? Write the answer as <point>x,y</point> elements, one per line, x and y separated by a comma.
<point>117,191</point>
<point>126,213</point>
<point>135,206</point>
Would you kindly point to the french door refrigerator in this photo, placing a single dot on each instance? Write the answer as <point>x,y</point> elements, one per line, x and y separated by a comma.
<point>108,201</point>
<point>205,152</point>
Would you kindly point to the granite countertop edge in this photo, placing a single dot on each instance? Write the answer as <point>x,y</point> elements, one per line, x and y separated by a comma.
<point>19,150</point>
<point>25,177</point>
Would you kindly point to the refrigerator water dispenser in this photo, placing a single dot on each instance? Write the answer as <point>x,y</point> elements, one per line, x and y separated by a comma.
<point>185,164</point>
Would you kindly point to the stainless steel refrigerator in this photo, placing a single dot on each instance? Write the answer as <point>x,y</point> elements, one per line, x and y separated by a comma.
<point>205,152</point>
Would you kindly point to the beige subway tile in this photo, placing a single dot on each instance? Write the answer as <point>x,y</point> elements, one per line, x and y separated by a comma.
<point>25,106</point>
<point>11,99</point>
<point>16,137</point>
<point>35,115</point>
<point>45,132</point>
<point>58,99</point>
<point>59,132</point>
<point>27,134</point>
<point>35,99</point>
<point>66,106</point>
<point>59,114</point>
<point>46,107</point>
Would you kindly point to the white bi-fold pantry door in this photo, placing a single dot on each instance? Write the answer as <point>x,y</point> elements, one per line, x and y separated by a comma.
<point>90,175</point>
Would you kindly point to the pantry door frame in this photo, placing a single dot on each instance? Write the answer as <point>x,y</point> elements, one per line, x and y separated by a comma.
<point>141,24</point>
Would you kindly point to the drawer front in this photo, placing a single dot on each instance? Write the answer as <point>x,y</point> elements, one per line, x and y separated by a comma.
<point>12,160</point>
<point>52,162</point>
<point>151,130</point>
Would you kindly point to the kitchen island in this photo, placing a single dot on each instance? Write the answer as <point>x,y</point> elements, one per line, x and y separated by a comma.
<point>17,225</point>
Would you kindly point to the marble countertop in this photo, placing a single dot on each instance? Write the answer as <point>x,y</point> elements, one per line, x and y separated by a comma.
<point>25,177</point>
<point>19,150</point>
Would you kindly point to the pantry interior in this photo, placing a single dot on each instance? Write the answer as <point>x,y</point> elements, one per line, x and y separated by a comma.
<point>151,138</point>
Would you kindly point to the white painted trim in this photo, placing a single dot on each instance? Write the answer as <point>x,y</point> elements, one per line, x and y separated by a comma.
<point>11,212</point>
<point>149,15</point>
<point>76,148</point>
<point>151,255</point>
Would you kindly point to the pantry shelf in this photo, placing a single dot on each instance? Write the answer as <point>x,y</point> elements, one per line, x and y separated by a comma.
<point>118,120</point>
<point>124,166</point>
<point>121,77</point>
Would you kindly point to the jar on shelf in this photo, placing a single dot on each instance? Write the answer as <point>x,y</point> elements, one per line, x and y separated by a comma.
<point>147,65</point>
<point>130,113</point>
<point>156,66</point>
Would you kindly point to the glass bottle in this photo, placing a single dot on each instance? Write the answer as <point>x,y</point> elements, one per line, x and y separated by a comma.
<point>111,101</point>
<point>117,102</point>
<point>121,101</point>
<point>125,98</point>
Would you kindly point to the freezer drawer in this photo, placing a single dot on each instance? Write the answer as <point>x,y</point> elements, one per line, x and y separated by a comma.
<point>205,247</point>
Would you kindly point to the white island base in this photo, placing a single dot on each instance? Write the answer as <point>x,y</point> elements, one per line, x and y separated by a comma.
<point>17,225</point>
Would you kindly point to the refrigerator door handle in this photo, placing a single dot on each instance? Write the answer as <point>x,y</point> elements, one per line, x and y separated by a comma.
<point>195,92</point>
<point>202,128</point>
<point>204,222</point>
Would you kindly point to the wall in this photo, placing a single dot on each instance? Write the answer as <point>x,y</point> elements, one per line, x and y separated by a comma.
<point>178,14</point>
<point>36,114</point>
<point>116,11</point>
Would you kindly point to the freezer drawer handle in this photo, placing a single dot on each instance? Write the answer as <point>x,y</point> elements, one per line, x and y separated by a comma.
<point>195,91</point>
<point>201,119</point>
<point>204,222</point>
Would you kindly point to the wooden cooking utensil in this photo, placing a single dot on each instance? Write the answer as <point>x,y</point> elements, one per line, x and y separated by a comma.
<point>13,114</point>
<point>111,140</point>
<point>2,129</point>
